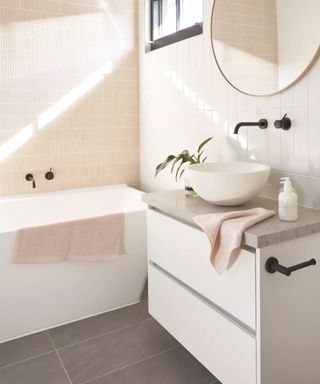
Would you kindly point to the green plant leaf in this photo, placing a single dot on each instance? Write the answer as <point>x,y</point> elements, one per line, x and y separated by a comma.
<point>204,143</point>
<point>193,160</point>
<point>185,160</point>
<point>199,157</point>
<point>164,164</point>
<point>183,157</point>
<point>177,159</point>
<point>182,172</point>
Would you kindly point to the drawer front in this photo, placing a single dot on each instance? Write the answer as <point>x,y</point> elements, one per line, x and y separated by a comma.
<point>225,349</point>
<point>184,252</point>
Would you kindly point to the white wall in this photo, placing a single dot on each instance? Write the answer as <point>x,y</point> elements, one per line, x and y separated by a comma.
<point>298,35</point>
<point>184,99</point>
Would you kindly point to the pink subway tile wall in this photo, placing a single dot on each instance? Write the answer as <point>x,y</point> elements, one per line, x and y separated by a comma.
<point>68,93</point>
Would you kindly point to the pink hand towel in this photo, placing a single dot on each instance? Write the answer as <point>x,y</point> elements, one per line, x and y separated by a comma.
<point>96,239</point>
<point>45,244</point>
<point>225,231</point>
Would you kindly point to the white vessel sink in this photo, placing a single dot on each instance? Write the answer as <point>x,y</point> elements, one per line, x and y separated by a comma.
<point>229,183</point>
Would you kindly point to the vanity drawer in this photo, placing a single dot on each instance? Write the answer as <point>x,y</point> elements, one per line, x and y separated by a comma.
<point>224,348</point>
<point>184,252</point>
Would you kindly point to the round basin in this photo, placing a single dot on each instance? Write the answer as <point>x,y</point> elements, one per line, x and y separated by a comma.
<point>228,183</point>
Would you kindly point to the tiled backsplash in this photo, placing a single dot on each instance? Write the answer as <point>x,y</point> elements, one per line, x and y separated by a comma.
<point>184,99</point>
<point>68,93</point>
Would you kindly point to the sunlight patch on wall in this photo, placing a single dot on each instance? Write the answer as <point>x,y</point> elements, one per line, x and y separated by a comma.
<point>242,141</point>
<point>17,141</point>
<point>192,95</point>
<point>74,95</point>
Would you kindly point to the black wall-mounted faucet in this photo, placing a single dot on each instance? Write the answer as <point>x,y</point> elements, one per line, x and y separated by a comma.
<point>29,177</point>
<point>49,175</point>
<point>262,124</point>
<point>284,123</point>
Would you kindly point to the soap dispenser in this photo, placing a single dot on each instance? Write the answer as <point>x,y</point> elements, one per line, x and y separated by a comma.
<point>282,182</point>
<point>288,201</point>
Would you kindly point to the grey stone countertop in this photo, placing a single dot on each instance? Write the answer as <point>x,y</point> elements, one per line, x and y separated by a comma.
<point>268,232</point>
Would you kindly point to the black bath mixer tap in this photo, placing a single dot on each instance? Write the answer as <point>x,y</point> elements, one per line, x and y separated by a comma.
<point>29,177</point>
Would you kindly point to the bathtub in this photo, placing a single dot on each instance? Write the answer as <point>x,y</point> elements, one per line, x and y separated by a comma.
<point>35,297</point>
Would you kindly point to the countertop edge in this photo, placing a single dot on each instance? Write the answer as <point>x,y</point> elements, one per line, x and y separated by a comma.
<point>251,240</point>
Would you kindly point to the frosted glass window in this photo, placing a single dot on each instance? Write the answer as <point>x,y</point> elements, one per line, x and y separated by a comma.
<point>190,13</point>
<point>168,17</point>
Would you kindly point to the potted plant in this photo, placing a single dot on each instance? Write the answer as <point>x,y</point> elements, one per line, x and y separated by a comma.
<point>180,162</point>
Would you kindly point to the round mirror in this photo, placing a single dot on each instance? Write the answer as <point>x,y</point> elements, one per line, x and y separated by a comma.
<point>262,47</point>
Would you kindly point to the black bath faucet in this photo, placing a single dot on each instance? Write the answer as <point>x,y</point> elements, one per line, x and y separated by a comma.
<point>262,124</point>
<point>49,175</point>
<point>29,177</point>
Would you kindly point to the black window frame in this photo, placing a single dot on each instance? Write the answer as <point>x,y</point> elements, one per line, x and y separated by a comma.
<point>182,34</point>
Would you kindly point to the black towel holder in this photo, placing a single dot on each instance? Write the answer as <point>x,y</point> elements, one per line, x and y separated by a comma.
<point>272,266</point>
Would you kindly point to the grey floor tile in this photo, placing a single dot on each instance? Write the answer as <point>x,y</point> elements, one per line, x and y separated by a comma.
<point>98,325</point>
<point>24,348</point>
<point>93,358</point>
<point>173,367</point>
<point>45,369</point>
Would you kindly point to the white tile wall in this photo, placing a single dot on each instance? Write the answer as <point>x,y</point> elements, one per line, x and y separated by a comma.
<point>184,99</point>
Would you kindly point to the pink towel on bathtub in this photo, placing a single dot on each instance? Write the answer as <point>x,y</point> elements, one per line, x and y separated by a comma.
<point>225,231</point>
<point>45,244</point>
<point>95,239</point>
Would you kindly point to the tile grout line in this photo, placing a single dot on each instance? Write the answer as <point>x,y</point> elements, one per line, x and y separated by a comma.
<point>69,345</point>
<point>101,334</point>
<point>24,360</point>
<point>132,364</point>
<point>59,357</point>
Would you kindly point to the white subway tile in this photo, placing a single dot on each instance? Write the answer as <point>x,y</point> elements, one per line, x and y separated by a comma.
<point>314,140</point>
<point>314,85</point>
<point>213,101</point>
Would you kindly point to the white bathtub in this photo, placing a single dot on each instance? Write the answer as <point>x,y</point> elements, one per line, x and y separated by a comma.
<point>40,296</point>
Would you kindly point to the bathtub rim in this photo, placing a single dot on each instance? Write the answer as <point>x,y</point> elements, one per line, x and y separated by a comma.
<point>35,195</point>
<point>47,195</point>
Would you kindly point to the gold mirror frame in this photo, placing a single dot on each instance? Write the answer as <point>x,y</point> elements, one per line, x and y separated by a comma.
<point>303,73</point>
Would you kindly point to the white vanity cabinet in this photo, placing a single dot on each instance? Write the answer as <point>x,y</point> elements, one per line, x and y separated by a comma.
<point>246,326</point>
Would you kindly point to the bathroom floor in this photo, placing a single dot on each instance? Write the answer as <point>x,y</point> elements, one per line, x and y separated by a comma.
<point>125,346</point>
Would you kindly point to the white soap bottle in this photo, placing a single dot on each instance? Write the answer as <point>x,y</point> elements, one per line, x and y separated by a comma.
<point>288,202</point>
<point>282,182</point>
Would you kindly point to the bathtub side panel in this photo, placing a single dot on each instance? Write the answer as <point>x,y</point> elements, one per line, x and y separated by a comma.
<point>40,296</point>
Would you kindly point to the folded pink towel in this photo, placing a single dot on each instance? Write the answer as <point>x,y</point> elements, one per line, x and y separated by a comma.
<point>45,244</point>
<point>225,231</point>
<point>95,239</point>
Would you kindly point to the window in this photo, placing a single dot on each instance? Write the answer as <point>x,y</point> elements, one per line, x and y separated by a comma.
<point>173,20</point>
